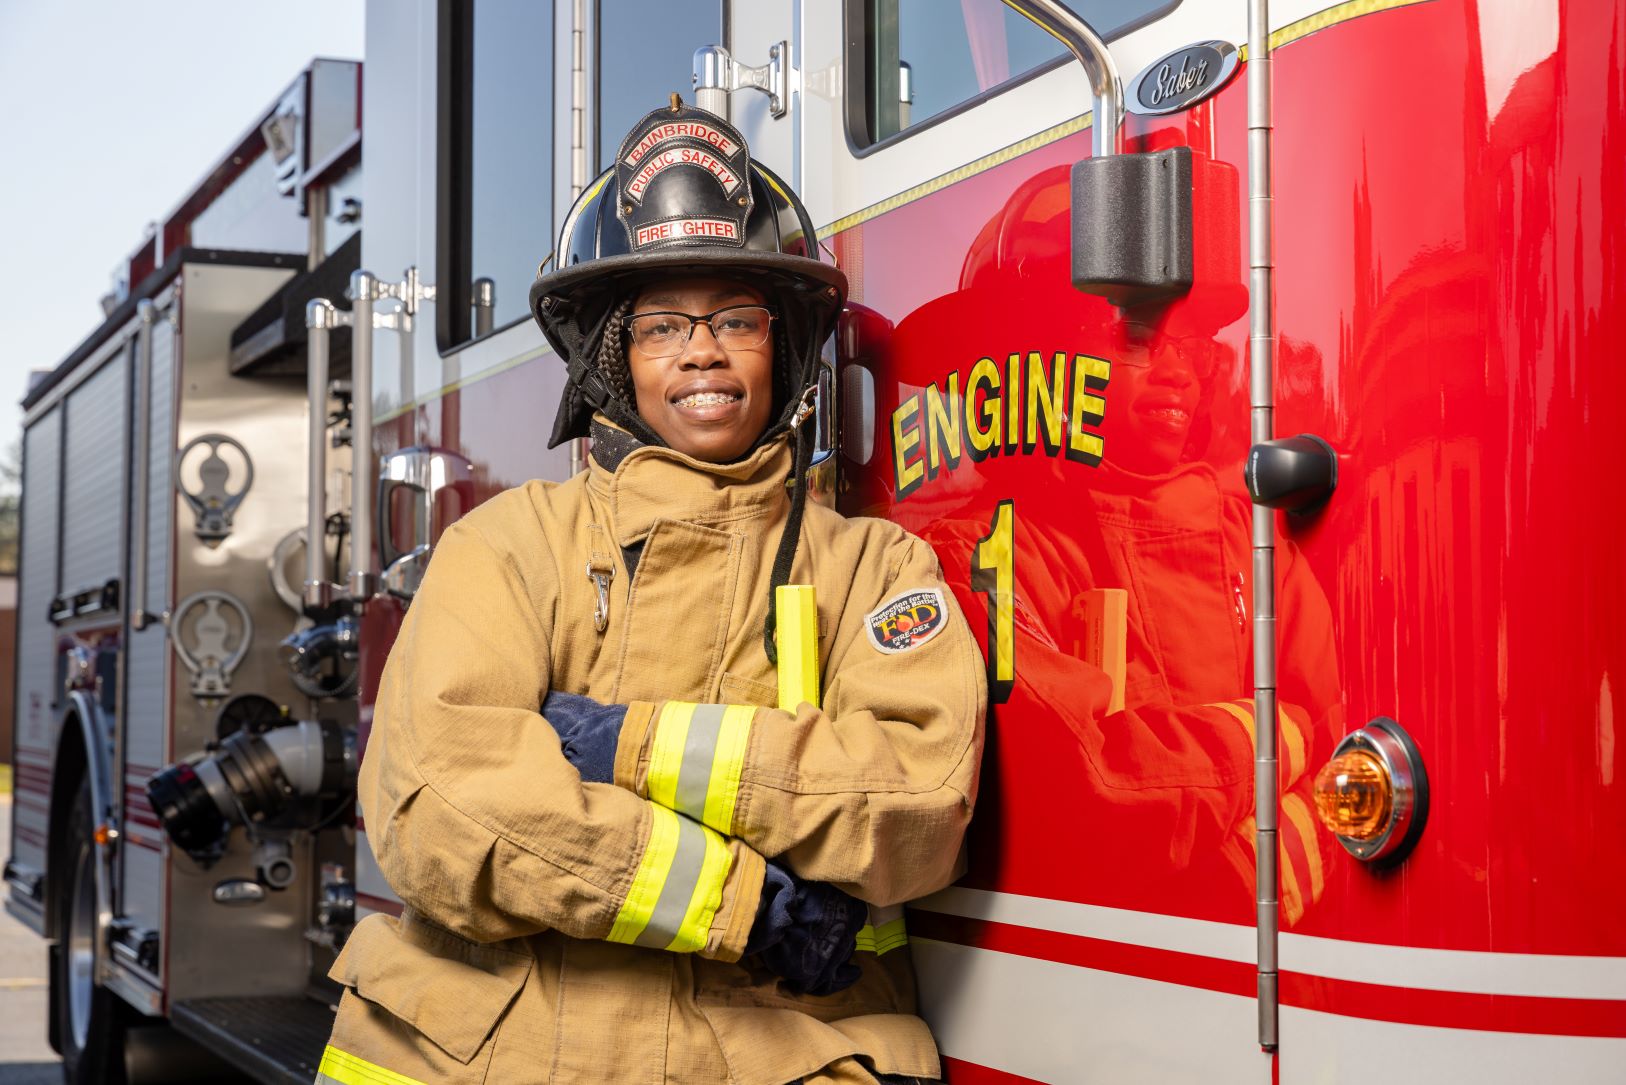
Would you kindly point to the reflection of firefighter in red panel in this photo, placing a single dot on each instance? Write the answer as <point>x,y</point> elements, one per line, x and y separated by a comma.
<point>1165,789</point>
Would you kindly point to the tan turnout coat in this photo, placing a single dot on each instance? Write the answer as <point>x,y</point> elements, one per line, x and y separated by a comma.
<point>556,931</point>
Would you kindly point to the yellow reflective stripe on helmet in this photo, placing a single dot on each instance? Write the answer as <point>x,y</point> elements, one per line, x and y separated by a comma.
<point>882,939</point>
<point>696,760</point>
<point>677,888</point>
<point>342,1068</point>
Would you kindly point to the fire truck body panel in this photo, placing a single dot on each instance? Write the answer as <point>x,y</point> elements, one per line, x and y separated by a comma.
<point>1446,176</point>
<point>270,418</point>
<point>1392,958</point>
<point>1436,906</point>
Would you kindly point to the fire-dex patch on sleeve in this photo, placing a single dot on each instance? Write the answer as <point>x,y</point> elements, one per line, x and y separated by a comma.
<point>907,620</point>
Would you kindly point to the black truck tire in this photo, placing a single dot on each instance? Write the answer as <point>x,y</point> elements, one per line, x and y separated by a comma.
<point>90,1020</point>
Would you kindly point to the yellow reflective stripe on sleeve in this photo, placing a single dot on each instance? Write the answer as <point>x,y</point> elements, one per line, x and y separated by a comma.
<point>1244,716</point>
<point>1299,817</point>
<point>882,939</point>
<point>1293,753</point>
<point>342,1068</point>
<point>696,759</point>
<point>666,752</point>
<point>706,896</point>
<point>651,876</point>
<point>727,766</point>
<point>677,888</point>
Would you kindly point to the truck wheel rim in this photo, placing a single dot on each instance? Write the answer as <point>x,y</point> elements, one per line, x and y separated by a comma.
<point>82,949</point>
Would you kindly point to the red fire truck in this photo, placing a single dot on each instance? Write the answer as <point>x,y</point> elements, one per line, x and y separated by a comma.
<point>1231,355</point>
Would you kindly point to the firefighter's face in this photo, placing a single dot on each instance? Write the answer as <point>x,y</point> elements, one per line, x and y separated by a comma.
<point>708,400</point>
<point>1155,386</point>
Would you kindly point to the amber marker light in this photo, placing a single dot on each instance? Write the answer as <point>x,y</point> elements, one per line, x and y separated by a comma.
<point>1354,795</point>
<point>1373,794</point>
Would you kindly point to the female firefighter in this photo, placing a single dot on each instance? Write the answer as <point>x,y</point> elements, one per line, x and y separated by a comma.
<point>618,863</point>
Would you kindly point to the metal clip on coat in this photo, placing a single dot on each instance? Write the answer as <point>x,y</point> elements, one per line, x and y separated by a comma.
<point>601,575</point>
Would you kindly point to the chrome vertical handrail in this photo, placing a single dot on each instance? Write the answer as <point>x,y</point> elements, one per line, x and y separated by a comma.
<point>321,317</point>
<point>484,299</point>
<point>147,312</point>
<point>364,294</point>
<point>579,166</point>
<point>1262,401</point>
<point>711,64</point>
<point>1106,89</point>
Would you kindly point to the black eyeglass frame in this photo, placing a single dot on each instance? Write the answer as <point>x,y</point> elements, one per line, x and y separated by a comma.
<point>707,321</point>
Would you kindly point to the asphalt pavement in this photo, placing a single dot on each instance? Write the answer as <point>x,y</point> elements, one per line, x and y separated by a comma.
<point>25,1057</point>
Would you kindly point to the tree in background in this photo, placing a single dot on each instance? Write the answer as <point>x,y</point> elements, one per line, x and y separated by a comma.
<point>11,484</point>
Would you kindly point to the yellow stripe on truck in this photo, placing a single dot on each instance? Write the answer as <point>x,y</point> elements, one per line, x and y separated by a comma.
<point>342,1068</point>
<point>677,888</point>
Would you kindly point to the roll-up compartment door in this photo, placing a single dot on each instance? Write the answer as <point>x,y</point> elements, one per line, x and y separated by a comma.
<point>92,493</point>
<point>36,637</point>
<point>149,658</point>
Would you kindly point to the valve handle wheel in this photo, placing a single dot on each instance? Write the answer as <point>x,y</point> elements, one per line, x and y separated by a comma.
<point>208,658</point>
<point>213,505</point>
<point>277,565</point>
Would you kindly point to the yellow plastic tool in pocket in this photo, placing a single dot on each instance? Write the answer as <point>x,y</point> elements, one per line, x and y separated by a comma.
<point>798,627</point>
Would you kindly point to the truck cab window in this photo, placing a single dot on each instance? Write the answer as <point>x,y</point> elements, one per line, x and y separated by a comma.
<point>923,58</point>
<point>496,158</point>
<point>646,52</point>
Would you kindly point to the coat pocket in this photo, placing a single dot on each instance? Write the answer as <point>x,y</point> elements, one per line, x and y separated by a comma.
<point>422,1002</point>
<point>738,689</point>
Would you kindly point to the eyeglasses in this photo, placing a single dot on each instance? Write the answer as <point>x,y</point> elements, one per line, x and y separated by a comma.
<point>1140,347</point>
<point>665,335</point>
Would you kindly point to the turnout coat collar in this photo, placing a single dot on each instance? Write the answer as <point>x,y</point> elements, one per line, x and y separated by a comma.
<point>655,483</point>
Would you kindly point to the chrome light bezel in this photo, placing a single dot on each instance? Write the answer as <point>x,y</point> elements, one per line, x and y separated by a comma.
<point>1394,749</point>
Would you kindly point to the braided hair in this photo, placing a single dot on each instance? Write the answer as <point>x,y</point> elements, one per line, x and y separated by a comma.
<point>612,355</point>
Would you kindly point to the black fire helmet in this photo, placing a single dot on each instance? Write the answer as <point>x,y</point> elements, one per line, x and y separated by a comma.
<point>685,197</point>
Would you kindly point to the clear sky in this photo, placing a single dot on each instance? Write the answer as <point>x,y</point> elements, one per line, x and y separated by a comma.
<point>110,111</point>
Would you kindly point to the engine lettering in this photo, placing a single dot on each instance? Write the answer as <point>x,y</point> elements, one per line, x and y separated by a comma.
<point>1039,403</point>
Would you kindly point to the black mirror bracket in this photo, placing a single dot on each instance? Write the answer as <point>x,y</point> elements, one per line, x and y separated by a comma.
<point>1132,235</point>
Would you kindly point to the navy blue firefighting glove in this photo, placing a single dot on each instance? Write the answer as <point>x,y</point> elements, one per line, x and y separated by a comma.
<point>806,932</point>
<point>588,732</point>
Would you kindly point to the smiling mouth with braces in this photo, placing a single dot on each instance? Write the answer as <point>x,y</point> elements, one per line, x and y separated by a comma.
<point>707,399</point>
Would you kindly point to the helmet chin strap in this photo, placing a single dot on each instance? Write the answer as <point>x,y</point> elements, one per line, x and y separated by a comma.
<point>785,553</point>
